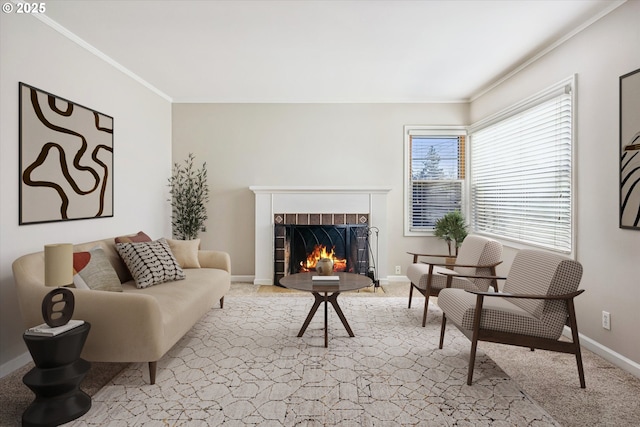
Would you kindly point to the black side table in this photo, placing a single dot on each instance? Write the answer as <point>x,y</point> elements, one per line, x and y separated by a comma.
<point>56,378</point>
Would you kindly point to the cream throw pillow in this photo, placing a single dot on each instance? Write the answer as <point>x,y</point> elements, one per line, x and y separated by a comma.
<point>185,252</point>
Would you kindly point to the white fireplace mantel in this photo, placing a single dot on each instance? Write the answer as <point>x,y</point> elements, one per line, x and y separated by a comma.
<point>295,199</point>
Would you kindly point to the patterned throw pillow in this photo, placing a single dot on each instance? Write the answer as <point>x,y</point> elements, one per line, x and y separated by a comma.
<point>186,252</point>
<point>150,263</point>
<point>92,270</point>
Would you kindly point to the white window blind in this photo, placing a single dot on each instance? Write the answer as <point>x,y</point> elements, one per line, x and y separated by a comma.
<point>436,178</point>
<point>521,176</point>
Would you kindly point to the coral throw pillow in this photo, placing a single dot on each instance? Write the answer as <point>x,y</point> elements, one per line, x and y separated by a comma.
<point>133,238</point>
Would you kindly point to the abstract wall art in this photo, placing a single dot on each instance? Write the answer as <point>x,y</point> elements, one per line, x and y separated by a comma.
<point>630,150</point>
<point>66,159</point>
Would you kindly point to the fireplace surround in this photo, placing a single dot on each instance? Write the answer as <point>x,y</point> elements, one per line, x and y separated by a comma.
<point>298,247</point>
<point>350,203</point>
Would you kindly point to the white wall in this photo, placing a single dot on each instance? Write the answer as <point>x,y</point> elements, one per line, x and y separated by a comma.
<point>34,53</point>
<point>610,255</point>
<point>304,145</point>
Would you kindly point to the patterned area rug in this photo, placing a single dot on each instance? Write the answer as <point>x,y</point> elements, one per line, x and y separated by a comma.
<point>244,365</point>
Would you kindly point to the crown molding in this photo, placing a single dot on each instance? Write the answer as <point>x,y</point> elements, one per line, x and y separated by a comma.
<point>614,5</point>
<point>106,58</point>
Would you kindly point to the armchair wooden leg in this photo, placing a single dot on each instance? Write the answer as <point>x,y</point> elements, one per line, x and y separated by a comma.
<point>410,294</point>
<point>474,339</point>
<point>426,308</point>
<point>573,323</point>
<point>442,327</point>
<point>472,361</point>
<point>222,302</point>
<point>153,366</point>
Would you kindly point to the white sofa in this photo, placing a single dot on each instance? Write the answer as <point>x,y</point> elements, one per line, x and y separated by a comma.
<point>136,325</point>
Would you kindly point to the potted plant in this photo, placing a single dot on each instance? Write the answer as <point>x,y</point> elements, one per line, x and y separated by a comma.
<point>189,194</point>
<point>452,229</point>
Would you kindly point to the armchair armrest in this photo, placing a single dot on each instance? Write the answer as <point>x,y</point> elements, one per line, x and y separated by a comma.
<point>472,276</point>
<point>416,255</point>
<point>494,278</point>
<point>525,296</point>
<point>465,265</point>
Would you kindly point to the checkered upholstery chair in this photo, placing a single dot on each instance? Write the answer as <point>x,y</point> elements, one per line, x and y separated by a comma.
<point>532,310</point>
<point>477,256</point>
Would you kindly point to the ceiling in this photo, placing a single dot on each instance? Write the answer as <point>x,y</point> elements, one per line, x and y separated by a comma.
<point>322,51</point>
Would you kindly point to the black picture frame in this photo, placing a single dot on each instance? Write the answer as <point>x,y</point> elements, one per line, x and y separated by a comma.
<point>65,157</point>
<point>630,150</point>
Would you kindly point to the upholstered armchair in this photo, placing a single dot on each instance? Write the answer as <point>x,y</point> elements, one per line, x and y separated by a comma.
<point>478,257</point>
<point>532,310</point>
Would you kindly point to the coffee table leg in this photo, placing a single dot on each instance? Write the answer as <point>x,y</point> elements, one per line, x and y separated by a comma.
<point>319,299</point>
<point>333,299</point>
<point>326,323</point>
<point>312,312</point>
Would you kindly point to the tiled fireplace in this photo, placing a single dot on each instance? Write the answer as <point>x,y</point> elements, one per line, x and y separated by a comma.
<point>309,206</point>
<point>300,240</point>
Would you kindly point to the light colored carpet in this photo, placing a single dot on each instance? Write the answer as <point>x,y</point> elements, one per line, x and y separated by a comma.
<point>244,365</point>
<point>612,396</point>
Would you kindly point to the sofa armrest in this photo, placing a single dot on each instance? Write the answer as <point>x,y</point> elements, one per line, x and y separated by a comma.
<point>215,259</point>
<point>119,323</point>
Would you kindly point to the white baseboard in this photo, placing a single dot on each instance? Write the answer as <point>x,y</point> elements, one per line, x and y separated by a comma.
<point>14,364</point>
<point>396,279</point>
<point>606,353</point>
<point>242,279</point>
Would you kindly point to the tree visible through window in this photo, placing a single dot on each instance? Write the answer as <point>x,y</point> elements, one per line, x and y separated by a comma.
<point>436,178</point>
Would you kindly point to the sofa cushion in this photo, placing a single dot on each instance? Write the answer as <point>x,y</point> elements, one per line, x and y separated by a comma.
<point>183,303</point>
<point>185,252</point>
<point>150,263</point>
<point>92,270</point>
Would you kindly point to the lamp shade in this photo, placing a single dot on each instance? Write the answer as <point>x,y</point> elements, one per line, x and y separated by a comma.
<point>58,264</point>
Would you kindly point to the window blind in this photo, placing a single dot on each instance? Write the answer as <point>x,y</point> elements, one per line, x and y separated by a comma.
<point>521,176</point>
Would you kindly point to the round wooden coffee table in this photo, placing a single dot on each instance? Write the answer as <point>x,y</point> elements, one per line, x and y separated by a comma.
<point>326,291</point>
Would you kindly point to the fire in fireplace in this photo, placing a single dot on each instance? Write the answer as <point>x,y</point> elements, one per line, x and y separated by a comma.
<point>319,252</point>
<point>299,247</point>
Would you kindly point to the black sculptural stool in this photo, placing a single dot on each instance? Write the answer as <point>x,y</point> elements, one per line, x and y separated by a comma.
<point>59,370</point>
<point>56,378</point>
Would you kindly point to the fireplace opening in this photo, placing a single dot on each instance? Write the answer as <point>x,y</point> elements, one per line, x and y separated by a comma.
<point>299,247</point>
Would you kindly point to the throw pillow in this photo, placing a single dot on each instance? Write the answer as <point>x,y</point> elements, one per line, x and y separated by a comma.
<point>92,270</point>
<point>133,238</point>
<point>150,263</point>
<point>186,252</point>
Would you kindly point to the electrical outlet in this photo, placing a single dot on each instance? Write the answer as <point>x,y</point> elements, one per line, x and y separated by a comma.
<point>606,320</point>
<point>398,269</point>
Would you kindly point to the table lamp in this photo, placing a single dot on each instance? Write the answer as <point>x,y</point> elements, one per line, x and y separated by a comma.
<point>58,264</point>
<point>58,305</point>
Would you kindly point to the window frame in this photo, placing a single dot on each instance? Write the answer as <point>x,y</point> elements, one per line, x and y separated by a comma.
<point>568,85</point>
<point>422,130</point>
